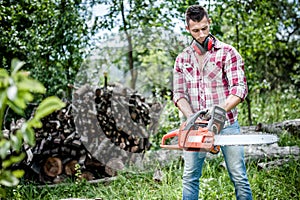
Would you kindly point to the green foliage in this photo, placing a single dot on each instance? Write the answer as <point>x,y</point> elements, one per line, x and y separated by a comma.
<point>78,172</point>
<point>284,180</point>
<point>169,120</point>
<point>153,60</point>
<point>141,23</point>
<point>16,91</point>
<point>134,14</point>
<point>50,35</point>
<point>271,106</point>
<point>265,33</point>
<point>287,139</point>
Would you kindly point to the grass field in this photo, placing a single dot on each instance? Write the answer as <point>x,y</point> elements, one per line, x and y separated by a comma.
<point>276,183</point>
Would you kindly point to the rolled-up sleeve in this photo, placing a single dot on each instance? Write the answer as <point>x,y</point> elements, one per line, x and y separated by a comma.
<point>179,86</point>
<point>235,74</point>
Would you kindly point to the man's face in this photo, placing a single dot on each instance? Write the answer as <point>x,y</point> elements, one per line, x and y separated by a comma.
<point>199,30</point>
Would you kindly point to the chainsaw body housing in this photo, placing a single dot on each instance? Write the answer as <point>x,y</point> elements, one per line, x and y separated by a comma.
<point>187,141</point>
<point>197,134</point>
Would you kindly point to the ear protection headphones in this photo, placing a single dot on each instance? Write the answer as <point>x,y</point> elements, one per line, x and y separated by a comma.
<point>206,46</point>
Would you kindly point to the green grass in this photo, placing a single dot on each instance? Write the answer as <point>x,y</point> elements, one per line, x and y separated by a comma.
<point>276,183</point>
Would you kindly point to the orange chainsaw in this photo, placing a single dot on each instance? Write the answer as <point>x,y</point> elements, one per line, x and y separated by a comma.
<point>202,133</point>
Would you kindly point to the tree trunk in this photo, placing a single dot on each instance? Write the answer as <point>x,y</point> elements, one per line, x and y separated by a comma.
<point>248,101</point>
<point>126,27</point>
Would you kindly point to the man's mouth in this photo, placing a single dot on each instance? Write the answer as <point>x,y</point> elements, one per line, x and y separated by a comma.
<point>201,41</point>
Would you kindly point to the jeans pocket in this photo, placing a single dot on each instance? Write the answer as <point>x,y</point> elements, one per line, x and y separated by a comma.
<point>232,129</point>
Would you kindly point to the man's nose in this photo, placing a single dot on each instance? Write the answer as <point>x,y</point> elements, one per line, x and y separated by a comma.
<point>201,34</point>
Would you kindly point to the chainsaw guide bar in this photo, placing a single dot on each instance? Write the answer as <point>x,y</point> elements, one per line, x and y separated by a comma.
<point>234,140</point>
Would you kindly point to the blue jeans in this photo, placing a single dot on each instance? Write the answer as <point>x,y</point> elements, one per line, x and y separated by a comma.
<point>235,163</point>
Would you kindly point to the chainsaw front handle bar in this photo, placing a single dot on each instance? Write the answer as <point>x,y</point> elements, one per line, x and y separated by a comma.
<point>169,135</point>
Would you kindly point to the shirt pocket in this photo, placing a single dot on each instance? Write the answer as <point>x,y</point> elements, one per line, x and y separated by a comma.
<point>213,73</point>
<point>190,73</point>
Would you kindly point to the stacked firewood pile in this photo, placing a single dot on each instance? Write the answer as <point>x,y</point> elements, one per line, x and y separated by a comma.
<point>94,136</point>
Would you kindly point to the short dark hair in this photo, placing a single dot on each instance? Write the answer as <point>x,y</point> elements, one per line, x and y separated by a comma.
<point>195,13</point>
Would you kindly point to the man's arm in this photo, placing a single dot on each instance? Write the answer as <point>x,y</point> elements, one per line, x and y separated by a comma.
<point>234,69</point>
<point>184,106</point>
<point>231,102</point>
<point>180,97</point>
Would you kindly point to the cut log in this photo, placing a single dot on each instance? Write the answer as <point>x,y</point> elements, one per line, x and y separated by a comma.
<point>60,179</point>
<point>276,163</point>
<point>268,152</point>
<point>86,175</point>
<point>113,166</point>
<point>53,167</point>
<point>291,126</point>
<point>70,167</point>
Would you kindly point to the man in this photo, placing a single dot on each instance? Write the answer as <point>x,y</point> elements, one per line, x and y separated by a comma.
<point>207,73</point>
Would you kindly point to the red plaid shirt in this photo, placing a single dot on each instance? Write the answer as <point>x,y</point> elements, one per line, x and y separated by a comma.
<point>222,74</point>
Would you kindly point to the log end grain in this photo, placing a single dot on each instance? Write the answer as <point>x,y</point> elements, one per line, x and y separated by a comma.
<point>53,166</point>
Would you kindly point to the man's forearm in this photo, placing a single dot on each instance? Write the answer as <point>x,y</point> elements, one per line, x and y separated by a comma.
<point>231,102</point>
<point>185,107</point>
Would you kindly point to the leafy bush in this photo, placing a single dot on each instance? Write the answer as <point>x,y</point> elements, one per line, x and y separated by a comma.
<point>271,106</point>
<point>169,120</point>
<point>16,91</point>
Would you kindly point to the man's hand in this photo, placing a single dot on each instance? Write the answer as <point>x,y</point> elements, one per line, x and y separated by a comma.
<point>207,115</point>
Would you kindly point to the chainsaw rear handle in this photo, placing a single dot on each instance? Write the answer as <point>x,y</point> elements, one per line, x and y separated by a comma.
<point>191,120</point>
